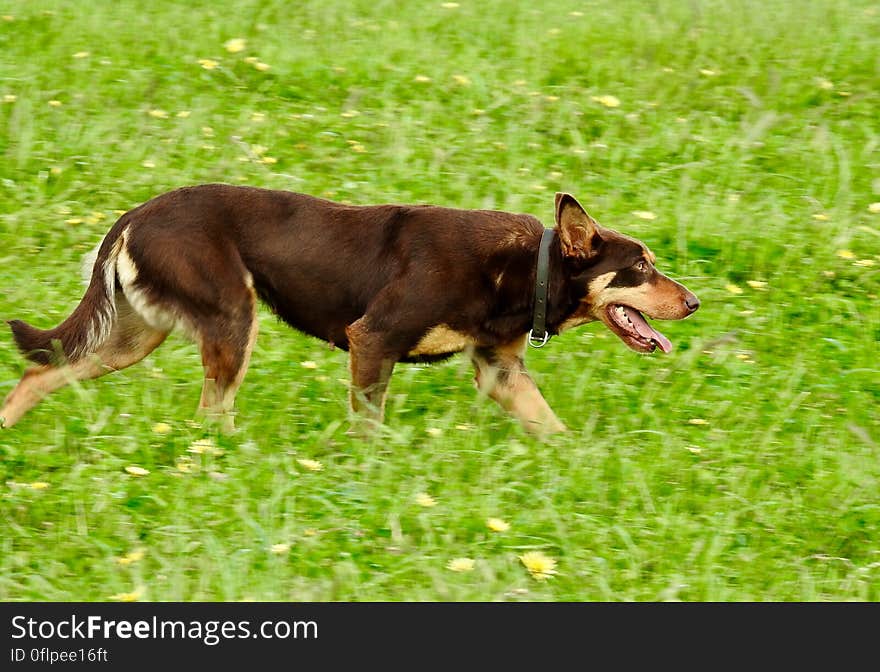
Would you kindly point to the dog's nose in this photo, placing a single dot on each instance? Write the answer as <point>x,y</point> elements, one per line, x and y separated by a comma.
<point>692,302</point>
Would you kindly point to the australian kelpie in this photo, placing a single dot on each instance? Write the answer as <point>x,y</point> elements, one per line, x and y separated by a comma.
<point>388,283</point>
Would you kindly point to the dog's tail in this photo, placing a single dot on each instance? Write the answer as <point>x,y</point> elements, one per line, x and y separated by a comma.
<point>89,324</point>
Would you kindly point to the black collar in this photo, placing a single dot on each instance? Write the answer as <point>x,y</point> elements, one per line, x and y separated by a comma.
<point>539,335</point>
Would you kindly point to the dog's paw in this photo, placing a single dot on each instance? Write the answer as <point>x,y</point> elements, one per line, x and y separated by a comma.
<point>546,429</point>
<point>363,428</point>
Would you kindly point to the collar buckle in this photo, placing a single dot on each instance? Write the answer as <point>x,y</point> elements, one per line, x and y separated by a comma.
<point>536,342</point>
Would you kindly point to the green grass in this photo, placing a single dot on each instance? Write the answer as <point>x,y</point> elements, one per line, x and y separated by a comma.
<point>749,129</point>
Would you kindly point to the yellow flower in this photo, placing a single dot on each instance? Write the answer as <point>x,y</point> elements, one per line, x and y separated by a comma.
<point>262,67</point>
<point>268,160</point>
<point>539,565</point>
<point>133,596</point>
<point>204,446</point>
<point>607,100</point>
<point>698,421</point>
<point>311,465</point>
<point>54,103</point>
<point>864,262</point>
<point>158,114</point>
<point>424,499</point>
<point>434,431</point>
<point>149,164</point>
<point>308,364</point>
<point>258,116</point>
<point>208,63</point>
<point>497,525</point>
<point>136,471</point>
<point>184,464</point>
<point>461,565</point>
<point>38,485</point>
<point>10,98</point>
<point>235,45</point>
<point>349,114</point>
<point>846,254</point>
<point>73,220</point>
<point>461,80</point>
<point>207,131</point>
<point>183,114</point>
<point>422,79</point>
<point>756,284</point>
<point>825,84</point>
<point>820,217</point>
<point>133,556</point>
<point>696,450</point>
<point>310,531</point>
<point>279,549</point>
<point>708,73</point>
<point>644,214</point>
<point>161,428</point>
<point>874,208</point>
<point>450,5</point>
<point>733,289</point>
<point>81,54</point>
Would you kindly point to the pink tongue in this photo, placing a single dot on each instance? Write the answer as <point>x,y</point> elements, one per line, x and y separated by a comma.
<point>645,330</point>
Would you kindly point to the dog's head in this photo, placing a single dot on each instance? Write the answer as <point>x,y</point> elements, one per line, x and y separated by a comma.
<point>616,278</point>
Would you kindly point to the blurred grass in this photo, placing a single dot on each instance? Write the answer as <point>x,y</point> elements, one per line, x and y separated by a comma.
<point>748,129</point>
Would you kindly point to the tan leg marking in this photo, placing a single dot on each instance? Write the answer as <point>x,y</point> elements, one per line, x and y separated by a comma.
<point>222,379</point>
<point>370,373</point>
<point>441,340</point>
<point>501,374</point>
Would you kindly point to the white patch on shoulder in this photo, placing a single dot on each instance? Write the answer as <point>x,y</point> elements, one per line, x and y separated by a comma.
<point>441,340</point>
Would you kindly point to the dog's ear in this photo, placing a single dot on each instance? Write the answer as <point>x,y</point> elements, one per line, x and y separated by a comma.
<point>578,232</point>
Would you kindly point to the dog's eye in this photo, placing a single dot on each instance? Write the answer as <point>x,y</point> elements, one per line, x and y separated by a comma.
<point>642,266</point>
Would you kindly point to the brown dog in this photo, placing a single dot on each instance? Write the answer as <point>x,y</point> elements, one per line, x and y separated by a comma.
<point>388,283</point>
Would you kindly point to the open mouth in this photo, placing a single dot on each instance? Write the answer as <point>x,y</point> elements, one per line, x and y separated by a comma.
<point>633,330</point>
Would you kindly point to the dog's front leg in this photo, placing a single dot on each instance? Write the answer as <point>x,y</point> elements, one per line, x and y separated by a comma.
<point>501,374</point>
<point>371,367</point>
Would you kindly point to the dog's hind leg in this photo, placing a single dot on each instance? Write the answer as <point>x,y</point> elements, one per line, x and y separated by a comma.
<point>501,374</point>
<point>130,340</point>
<point>226,344</point>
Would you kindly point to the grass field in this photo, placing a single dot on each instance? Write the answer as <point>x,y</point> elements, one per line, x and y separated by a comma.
<point>740,140</point>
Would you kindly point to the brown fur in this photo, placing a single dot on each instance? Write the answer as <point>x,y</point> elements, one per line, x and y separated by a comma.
<point>389,283</point>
